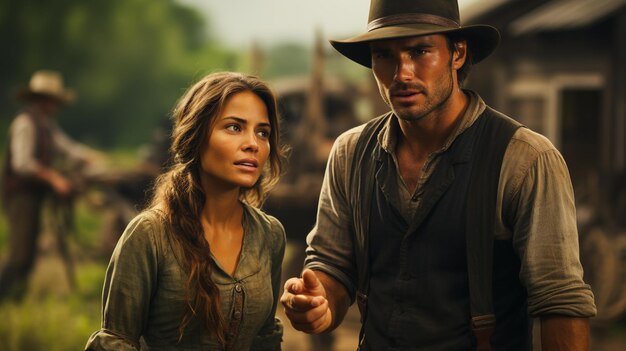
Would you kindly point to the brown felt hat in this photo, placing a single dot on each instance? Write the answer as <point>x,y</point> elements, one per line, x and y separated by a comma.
<point>392,19</point>
<point>47,83</point>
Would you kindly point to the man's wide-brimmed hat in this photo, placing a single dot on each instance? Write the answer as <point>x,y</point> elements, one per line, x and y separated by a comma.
<point>393,19</point>
<point>47,83</point>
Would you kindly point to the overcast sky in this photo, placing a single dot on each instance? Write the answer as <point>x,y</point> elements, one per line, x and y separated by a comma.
<point>240,22</point>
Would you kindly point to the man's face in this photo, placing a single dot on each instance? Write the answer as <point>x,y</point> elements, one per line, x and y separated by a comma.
<point>50,106</point>
<point>414,75</point>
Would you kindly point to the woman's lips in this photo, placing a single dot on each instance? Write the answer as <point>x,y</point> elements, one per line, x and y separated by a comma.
<point>247,164</point>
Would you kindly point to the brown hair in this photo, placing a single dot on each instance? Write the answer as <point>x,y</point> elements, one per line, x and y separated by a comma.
<point>179,195</point>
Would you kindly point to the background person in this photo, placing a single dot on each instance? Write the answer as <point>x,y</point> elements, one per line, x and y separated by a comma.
<point>35,149</point>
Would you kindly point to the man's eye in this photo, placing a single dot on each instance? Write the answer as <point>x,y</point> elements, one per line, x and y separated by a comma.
<point>380,55</point>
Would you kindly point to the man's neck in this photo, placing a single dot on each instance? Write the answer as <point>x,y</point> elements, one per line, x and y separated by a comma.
<point>40,111</point>
<point>430,133</point>
<point>419,139</point>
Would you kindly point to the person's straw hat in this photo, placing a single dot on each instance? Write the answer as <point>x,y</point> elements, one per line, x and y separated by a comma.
<point>47,83</point>
<point>392,19</point>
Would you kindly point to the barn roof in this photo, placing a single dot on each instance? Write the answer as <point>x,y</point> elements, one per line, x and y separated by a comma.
<point>564,14</point>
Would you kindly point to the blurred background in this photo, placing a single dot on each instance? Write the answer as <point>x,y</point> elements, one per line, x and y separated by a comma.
<point>560,70</point>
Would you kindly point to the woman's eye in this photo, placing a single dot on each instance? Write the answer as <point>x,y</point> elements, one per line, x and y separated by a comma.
<point>264,133</point>
<point>233,128</point>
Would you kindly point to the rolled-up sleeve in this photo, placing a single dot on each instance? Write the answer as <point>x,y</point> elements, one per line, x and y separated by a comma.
<point>68,147</point>
<point>129,283</point>
<point>23,137</point>
<point>330,243</point>
<point>542,217</point>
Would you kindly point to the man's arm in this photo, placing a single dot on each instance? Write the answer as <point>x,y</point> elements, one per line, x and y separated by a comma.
<point>539,214</point>
<point>317,301</point>
<point>70,148</point>
<point>564,333</point>
<point>57,181</point>
<point>23,161</point>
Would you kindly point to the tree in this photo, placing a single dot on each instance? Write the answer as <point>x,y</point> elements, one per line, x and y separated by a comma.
<point>128,60</point>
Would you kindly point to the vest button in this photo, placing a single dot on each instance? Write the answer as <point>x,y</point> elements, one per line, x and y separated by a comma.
<point>238,288</point>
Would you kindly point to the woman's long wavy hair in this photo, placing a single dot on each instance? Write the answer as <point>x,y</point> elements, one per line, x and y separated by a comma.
<point>179,195</point>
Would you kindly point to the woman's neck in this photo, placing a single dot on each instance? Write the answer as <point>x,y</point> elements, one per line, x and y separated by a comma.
<point>222,210</point>
<point>222,223</point>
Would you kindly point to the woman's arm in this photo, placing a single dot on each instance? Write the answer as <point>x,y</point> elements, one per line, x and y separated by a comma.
<point>129,283</point>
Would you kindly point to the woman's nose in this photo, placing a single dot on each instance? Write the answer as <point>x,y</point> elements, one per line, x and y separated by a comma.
<point>251,143</point>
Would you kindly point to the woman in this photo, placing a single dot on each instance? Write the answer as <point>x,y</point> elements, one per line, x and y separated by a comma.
<point>200,269</point>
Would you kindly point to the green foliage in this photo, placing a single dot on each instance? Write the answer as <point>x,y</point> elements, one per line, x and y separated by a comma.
<point>53,317</point>
<point>87,226</point>
<point>128,60</point>
<point>3,234</point>
<point>52,322</point>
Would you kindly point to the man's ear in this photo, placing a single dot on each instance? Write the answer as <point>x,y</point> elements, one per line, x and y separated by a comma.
<point>460,54</point>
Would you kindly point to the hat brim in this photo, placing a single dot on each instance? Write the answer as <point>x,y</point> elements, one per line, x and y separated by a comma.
<point>67,97</point>
<point>482,40</point>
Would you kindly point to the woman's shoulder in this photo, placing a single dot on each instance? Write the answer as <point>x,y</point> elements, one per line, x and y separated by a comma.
<point>147,226</point>
<point>147,219</point>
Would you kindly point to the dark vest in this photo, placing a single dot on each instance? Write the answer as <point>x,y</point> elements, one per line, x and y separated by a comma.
<point>13,182</point>
<point>417,278</point>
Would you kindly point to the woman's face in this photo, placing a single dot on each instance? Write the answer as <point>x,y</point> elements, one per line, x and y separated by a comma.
<point>238,145</point>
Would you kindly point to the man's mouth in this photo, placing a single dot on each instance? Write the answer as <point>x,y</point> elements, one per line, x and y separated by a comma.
<point>404,93</point>
<point>405,96</point>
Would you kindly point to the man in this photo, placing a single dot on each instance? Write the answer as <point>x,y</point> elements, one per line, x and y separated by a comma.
<point>35,142</point>
<point>450,223</point>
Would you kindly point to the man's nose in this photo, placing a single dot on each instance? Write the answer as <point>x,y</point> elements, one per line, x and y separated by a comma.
<point>405,68</point>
